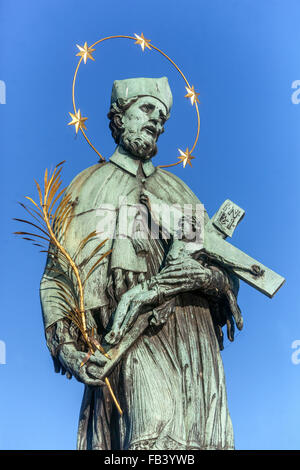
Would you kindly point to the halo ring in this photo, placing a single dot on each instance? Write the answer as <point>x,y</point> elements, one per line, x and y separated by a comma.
<point>164,55</point>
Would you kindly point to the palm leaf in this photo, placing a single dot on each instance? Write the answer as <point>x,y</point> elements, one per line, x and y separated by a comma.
<point>52,191</point>
<point>33,202</point>
<point>94,252</point>
<point>32,234</point>
<point>59,258</point>
<point>34,225</point>
<point>68,224</point>
<point>64,299</point>
<point>85,240</point>
<point>61,206</point>
<point>45,183</point>
<point>95,265</point>
<point>53,179</point>
<point>71,315</point>
<point>55,200</point>
<point>71,294</point>
<point>39,192</point>
<point>65,216</point>
<point>51,268</point>
<point>31,211</point>
<point>60,221</point>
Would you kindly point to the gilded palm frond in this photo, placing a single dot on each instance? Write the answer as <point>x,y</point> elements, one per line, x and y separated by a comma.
<point>52,216</point>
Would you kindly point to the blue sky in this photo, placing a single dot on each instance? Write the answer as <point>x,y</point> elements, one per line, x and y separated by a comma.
<point>242,56</point>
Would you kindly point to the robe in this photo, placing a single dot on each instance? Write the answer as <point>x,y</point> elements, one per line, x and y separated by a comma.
<point>171,383</point>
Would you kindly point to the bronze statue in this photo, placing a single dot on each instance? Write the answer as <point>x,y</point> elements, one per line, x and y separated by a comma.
<point>157,304</point>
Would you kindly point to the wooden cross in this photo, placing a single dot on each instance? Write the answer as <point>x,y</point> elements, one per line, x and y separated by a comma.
<point>223,224</point>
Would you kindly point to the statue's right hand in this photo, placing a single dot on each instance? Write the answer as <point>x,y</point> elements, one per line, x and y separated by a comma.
<point>122,316</point>
<point>89,373</point>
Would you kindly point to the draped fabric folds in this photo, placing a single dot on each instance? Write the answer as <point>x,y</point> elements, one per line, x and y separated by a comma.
<point>170,385</point>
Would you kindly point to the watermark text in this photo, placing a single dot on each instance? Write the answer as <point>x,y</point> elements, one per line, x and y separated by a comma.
<point>296,354</point>
<point>2,352</point>
<point>2,92</point>
<point>296,94</point>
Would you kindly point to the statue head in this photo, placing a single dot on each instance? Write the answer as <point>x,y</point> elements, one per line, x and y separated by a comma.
<point>139,109</point>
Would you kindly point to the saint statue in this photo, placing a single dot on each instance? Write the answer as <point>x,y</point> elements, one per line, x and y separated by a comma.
<point>170,383</point>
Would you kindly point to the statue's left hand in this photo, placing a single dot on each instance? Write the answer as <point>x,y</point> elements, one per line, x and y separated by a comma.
<point>184,275</point>
<point>188,274</point>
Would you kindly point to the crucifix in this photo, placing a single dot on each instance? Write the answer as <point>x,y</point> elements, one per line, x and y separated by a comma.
<point>246,268</point>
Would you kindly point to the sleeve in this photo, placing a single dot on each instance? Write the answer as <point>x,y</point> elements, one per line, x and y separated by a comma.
<point>51,310</point>
<point>59,330</point>
<point>223,304</point>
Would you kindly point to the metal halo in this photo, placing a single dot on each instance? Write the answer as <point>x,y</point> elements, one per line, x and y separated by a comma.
<point>143,42</point>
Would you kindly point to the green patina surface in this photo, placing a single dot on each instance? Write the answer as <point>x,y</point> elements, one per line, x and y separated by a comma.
<point>157,304</point>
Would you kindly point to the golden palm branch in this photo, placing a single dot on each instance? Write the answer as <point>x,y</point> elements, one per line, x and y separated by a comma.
<point>52,216</point>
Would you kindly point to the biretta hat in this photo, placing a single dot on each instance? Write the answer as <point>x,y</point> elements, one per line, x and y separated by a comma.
<point>156,87</point>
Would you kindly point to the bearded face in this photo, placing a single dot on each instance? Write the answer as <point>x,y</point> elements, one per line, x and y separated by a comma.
<point>142,124</point>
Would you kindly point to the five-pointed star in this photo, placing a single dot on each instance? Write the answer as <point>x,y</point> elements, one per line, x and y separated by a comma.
<point>85,52</point>
<point>77,121</point>
<point>185,157</point>
<point>142,41</point>
<point>191,93</point>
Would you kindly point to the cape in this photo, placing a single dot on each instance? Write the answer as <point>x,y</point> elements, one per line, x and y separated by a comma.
<point>96,193</point>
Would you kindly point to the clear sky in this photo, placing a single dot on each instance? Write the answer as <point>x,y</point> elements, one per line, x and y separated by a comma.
<point>242,56</point>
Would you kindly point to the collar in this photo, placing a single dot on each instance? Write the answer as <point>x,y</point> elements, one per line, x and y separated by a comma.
<point>124,160</point>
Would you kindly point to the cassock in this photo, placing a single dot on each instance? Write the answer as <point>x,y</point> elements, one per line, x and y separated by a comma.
<point>171,383</point>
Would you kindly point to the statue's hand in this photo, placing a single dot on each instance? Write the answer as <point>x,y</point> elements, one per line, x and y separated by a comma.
<point>90,372</point>
<point>188,274</point>
<point>132,304</point>
<point>183,275</point>
<point>114,336</point>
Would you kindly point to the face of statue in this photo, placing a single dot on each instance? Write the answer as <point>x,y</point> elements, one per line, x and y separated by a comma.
<point>143,123</point>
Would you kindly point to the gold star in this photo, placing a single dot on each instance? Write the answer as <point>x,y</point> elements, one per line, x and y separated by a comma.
<point>85,52</point>
<point>77,121</point>
<point>142,41</point>
<point>185,157</point>
<point>192,94</point>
